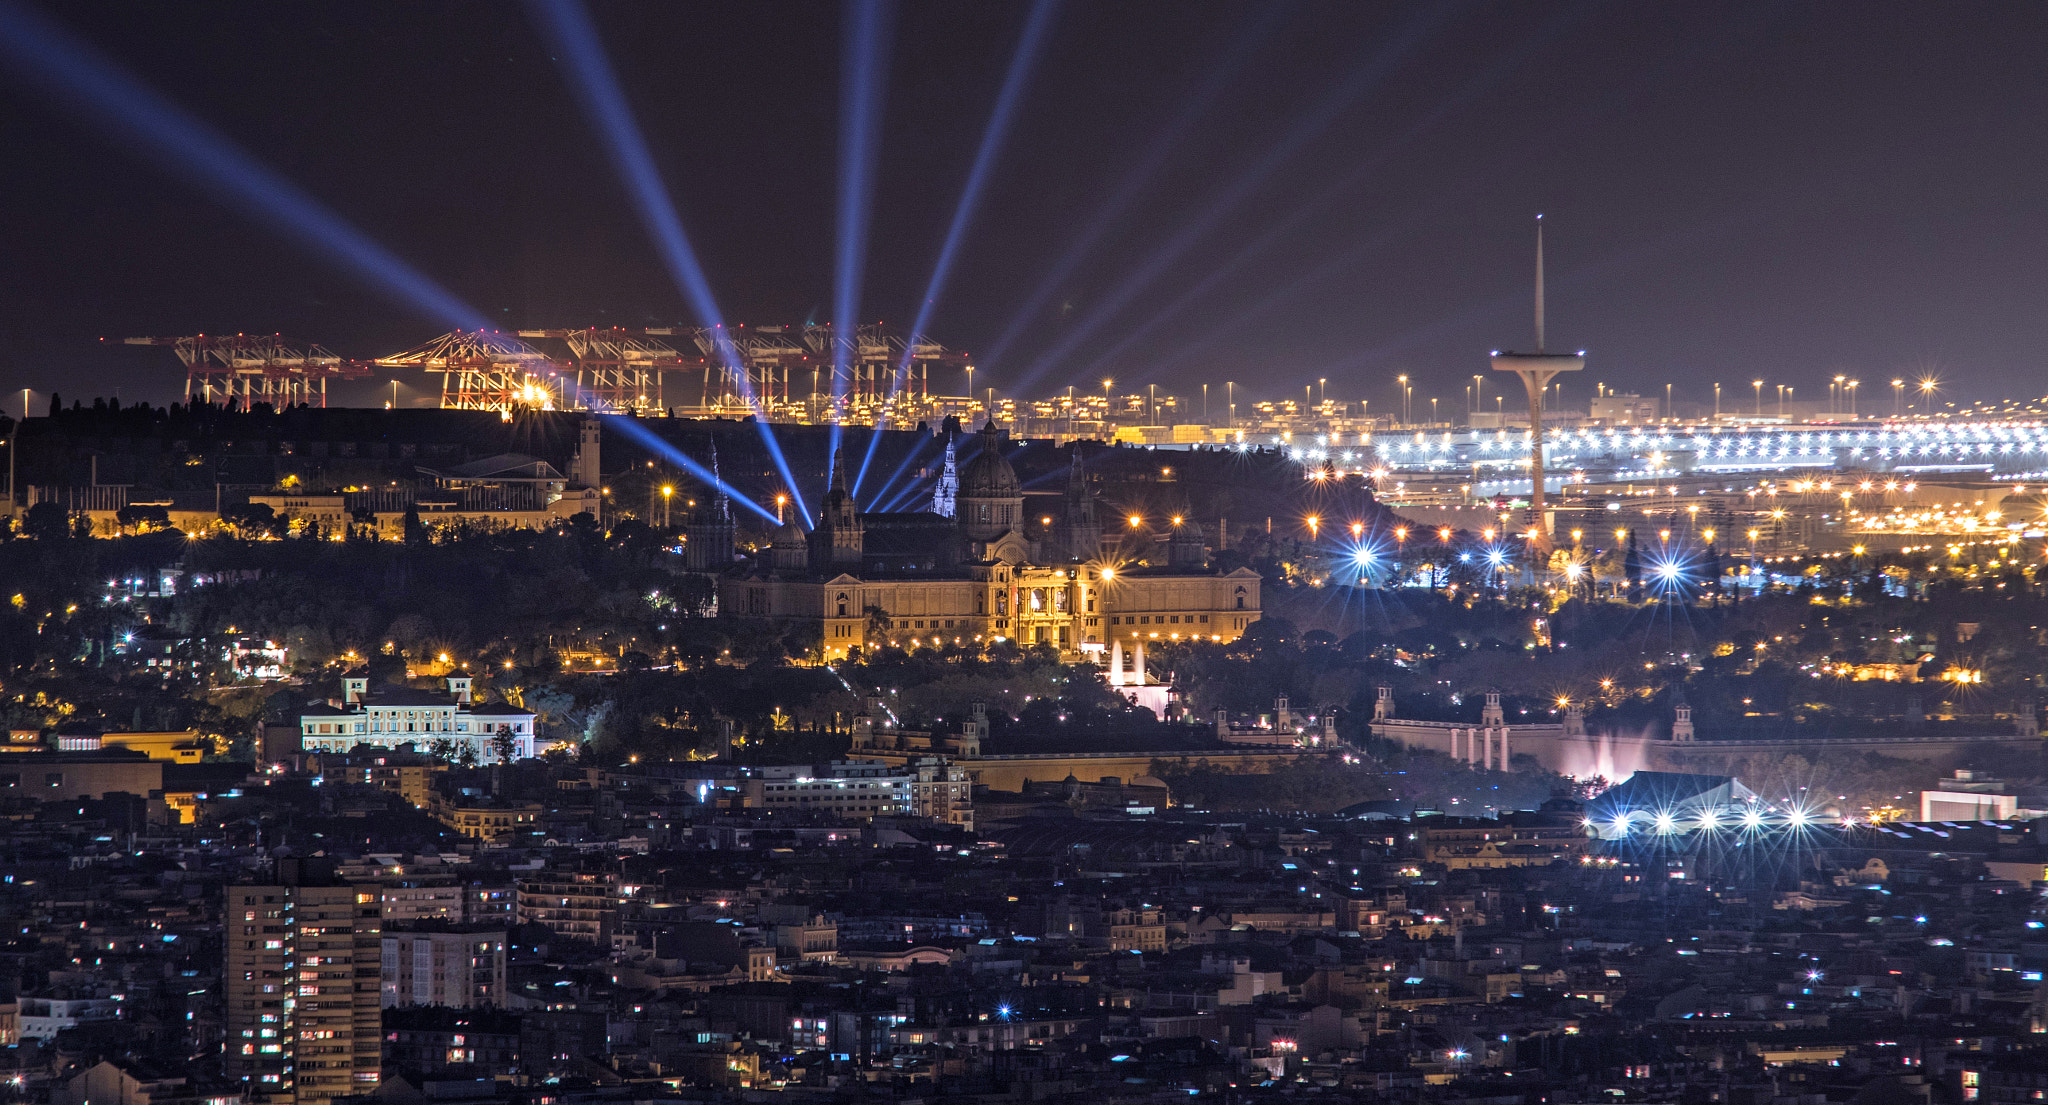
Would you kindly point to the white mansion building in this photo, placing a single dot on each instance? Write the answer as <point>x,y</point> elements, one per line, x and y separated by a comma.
<point>430,722</point>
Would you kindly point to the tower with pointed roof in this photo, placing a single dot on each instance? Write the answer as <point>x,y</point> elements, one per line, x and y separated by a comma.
<point>1079,534</point>
<point>837,542</point>
<point>1536,370</point>
<point>947,492</point>
<point>709,535</point>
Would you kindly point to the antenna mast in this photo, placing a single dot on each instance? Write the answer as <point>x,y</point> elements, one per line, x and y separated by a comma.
<point>1539,283</point>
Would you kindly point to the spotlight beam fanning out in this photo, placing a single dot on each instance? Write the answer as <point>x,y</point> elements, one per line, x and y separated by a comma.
<point>569,29</point>
<point>1108,216</point>
<point>1525,49</point>
<point>863,74</point>
<point>1206,339</point>
<point>1756,210</point>
<point>84,80</point>
<point>1695,55</point>
<point>648,439</point>
<point>905,493</point>
<point>1379,63</point>
<point>1036,28</point>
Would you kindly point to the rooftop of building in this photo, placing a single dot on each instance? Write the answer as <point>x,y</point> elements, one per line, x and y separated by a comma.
<point>497,709</point>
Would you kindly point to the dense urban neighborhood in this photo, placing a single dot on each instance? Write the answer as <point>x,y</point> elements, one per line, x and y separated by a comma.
<point>1027,552</point>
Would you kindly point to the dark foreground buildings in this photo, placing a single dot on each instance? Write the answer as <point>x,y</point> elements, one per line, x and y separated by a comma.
<point>666,933</point>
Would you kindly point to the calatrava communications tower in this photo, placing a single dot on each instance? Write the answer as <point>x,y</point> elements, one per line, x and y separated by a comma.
<point>1536,371</point>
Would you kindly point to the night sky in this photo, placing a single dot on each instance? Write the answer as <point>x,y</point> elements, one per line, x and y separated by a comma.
<point>1731,192</point>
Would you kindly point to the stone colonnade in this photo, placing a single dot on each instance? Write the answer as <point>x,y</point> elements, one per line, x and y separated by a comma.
<point>1485,747</point>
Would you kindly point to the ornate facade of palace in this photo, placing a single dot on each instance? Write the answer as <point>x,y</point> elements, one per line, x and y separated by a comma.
<point>922,578</point>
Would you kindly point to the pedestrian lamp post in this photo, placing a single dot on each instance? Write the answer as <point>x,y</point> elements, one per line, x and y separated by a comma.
<point>666,492</point>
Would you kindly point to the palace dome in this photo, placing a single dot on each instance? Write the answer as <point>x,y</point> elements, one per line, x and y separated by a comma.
<point>988,475</point>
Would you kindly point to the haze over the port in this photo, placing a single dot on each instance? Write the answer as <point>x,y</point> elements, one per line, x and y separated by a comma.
<point>1736,192</point>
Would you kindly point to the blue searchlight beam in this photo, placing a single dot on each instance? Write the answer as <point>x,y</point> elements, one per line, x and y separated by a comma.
<point>1036,28</point>
<point>652,441</point>
<point>863,73</point>
<point>81,78</point>
<point>1136,177</point>
<point>1378,64</point>
<point>591,78</point>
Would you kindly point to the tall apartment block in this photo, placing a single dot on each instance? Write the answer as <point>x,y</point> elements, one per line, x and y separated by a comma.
<point>303,975</point>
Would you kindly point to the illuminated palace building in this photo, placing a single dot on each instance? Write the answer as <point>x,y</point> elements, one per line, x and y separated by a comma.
<point>978,566</point>
<point>389,717</point>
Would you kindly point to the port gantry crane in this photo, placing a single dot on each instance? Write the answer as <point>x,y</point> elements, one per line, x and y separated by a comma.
<point>488,370</point>
<point>617,369</point>
<point>257,368</point>
<point>606,369</point>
